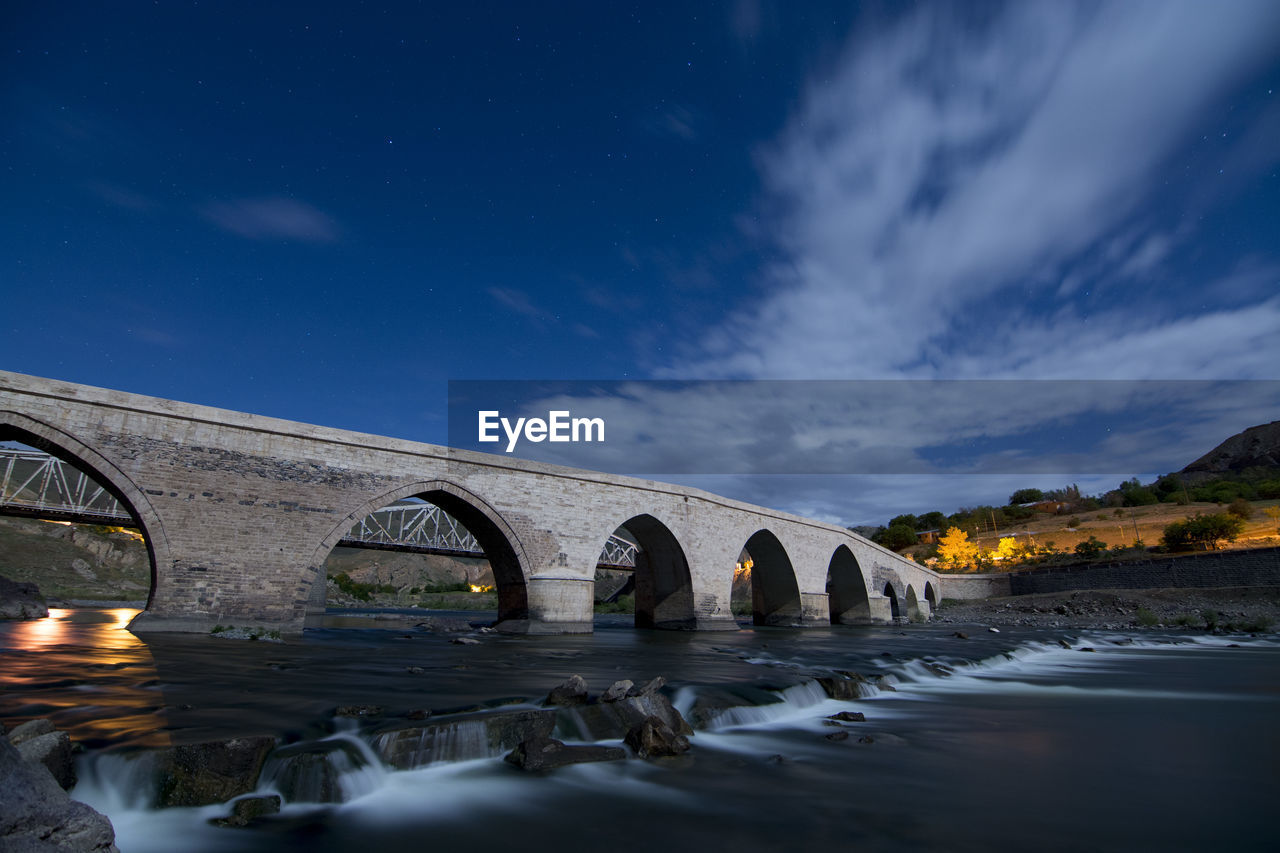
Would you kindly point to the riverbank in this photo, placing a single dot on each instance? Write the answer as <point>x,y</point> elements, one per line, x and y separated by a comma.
<point>1250,609</point>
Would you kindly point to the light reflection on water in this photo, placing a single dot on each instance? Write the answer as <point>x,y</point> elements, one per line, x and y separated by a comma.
<point>84,671</point>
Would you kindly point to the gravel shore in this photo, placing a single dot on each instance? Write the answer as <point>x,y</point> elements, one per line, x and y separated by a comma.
<point>1248,609</point>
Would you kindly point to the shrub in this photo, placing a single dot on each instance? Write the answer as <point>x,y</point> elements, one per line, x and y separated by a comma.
<point>1206,531</point>
<point>1241,509</point>
<point>1255,625</point>
<point>1090,548</point>
<point>355,589</point>
<point>1073,522</point>
<point>623,604</point>
<point>1146,618</point>
<point>1186,620</point>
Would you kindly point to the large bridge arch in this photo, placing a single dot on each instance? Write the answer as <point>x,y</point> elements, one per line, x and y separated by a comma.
<point>663,581</point>
<point>502,547</point>
<point>847,589</point>
<point>775,592</point>
<point>15,426</point>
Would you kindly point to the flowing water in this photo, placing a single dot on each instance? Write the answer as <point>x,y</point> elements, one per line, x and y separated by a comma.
<point>1148,742</point>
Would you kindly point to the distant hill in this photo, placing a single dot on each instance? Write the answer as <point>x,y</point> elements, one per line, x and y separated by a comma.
<point>1256,447</point>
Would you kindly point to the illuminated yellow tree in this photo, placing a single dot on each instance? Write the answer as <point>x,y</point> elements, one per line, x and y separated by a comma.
<point>1007,549</point>
<point>955,549</point>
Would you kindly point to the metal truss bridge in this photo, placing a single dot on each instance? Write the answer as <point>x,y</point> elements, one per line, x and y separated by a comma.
<point>38,485</point>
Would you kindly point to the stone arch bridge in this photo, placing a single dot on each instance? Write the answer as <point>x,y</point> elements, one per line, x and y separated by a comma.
<point>240,511</point>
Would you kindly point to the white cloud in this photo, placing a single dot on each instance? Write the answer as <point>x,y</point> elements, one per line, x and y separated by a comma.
<point>272,218</point>
<point>945,163</point>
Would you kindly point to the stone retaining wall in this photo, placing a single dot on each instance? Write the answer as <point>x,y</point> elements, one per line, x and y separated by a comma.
<point>1251,567</point>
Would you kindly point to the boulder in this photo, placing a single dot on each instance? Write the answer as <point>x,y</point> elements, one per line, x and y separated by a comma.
<point>617,690</point>
<point>837,736</point>
<point>21,600</point>
<point>545,753</point>
<point>201,774</point>
<point>849,717</point>
<point>30,729</point>
<point>52,750</point>
<point>850,686</point>
<point>653,738</point>
<point>653,685</point>
<point>245,811</point>
<point>606,720</point>
<point>36,814</point>
<point>456,737</point>
<point>572,692</point>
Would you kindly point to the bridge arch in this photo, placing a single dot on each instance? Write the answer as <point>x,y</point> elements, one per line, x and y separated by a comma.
<point>663,582</point>
<point>913,603</point>
<point>501,546</point>
<point>847,589</point>
<point>894,610</point>
<point>931,596</point>
<point>15,426</point>
<point>775,593</point>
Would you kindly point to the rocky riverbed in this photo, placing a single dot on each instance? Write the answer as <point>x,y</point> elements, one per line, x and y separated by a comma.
<point>1249,609</point>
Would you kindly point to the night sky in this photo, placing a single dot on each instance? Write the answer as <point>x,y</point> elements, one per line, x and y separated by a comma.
<point>324,212</point>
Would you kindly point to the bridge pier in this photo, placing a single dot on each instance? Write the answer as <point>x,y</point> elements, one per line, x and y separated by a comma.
<point>814,610</point>
<point>563,604</point>
<point>881,611</point>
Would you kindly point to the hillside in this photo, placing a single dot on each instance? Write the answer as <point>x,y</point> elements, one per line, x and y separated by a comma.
<point>1257,447</point>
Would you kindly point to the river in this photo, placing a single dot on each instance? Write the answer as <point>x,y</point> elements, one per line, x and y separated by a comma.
<point>1151,741</point>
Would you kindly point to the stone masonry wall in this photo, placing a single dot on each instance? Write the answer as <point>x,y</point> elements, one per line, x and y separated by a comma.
<point>1252,567</point>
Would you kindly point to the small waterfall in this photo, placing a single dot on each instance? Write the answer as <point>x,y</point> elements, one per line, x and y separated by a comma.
<point>334,770</point>
<point>455,741</point>
<point>114,782</point>
<point>793,702</point>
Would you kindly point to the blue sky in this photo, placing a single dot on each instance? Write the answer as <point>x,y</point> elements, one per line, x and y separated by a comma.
<point>325,212</point>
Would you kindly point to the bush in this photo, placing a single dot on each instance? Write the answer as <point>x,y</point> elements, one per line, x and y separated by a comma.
<point>1146,618</point>
<point>1206,531</point>
<point>1241,509</point>
<point>623,604</point>
<point>1073,522</point>
<point>355,589</point>
<point>1090,548</point>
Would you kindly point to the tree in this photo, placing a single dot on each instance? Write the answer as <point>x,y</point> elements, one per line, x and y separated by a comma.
<point>1025,496</point>
<point>955,550</point>
<point>897,537</point>
<point>906,519</point>
<point>1008,549</point>
<point>1207,531</point>
<point>934,520</point>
